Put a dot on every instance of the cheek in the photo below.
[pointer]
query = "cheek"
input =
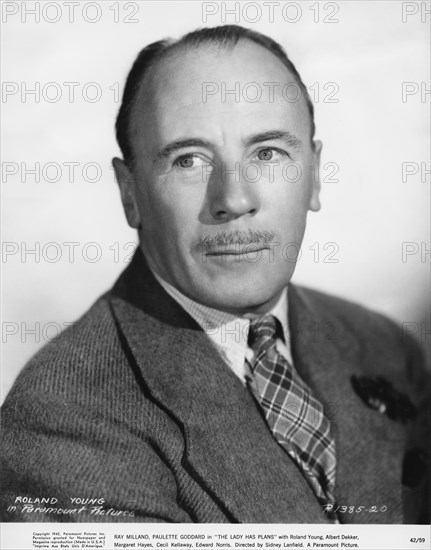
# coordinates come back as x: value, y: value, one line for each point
x: 291, y: 190
x: 172, y: 212
x: 286, y: 204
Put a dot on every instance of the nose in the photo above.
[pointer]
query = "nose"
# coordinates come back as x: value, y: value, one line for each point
x: 232, y: 196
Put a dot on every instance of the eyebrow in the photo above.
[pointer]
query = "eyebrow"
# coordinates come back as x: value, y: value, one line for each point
x: 270, y: 135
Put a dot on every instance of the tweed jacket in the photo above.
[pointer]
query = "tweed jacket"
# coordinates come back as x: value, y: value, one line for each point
x: 134, y: 407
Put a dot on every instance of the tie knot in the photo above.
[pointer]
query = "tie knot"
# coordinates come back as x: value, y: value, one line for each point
x: 262, y: 332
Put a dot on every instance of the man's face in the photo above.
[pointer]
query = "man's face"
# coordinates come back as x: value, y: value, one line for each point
x: 223, y: 181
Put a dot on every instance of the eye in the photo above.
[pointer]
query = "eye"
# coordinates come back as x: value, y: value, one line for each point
x: 271, y: 153
x: 191, y: 160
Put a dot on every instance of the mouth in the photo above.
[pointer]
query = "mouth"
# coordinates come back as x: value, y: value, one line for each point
x: 238, y: 250
x: 236, y: 245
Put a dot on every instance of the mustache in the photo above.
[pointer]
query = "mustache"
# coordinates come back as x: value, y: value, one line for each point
x: 236, y: 237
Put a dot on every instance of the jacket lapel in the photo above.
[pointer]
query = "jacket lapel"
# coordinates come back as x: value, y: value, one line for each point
x: 369, y: 445
x: 227, y: 442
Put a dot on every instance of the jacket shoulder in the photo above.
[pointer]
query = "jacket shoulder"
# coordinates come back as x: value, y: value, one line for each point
x: 78, y: 420
x: 354, y: 318
x: 82, y: 350
x: 382, y: 346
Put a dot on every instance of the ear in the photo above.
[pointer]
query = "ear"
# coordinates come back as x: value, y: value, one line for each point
x: 127, y: 184
x: 315, y: 176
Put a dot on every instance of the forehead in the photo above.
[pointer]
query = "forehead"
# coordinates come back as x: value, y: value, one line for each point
x: 212, y: 90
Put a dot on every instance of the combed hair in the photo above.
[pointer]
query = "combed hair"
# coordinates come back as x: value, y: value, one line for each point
x: 224, y: 36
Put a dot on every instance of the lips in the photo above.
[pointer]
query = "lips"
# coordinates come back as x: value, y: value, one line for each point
x: 235, y: 250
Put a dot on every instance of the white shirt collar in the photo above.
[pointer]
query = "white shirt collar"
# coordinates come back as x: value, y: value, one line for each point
x: 227, y: 331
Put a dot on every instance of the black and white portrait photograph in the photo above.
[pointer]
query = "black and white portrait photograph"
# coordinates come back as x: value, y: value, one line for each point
x: 216, y: 274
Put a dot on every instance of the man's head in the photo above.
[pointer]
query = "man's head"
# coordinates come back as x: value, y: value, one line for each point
x: 220, y: 165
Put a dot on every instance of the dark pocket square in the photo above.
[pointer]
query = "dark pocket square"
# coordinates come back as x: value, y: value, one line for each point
x: 379, y: 394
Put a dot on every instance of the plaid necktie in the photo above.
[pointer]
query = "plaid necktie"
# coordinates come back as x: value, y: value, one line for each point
x: 295, y: 417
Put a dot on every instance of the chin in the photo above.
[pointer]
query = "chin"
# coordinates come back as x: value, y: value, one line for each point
x: 239, y: 295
